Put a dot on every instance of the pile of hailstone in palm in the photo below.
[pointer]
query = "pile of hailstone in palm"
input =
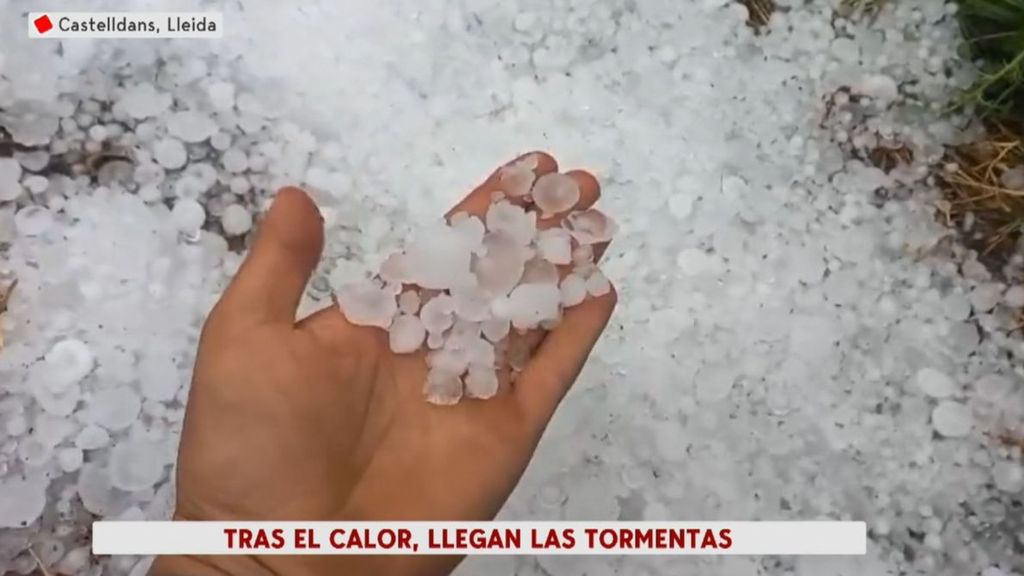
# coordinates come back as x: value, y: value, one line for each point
x: 796, y: 336
x: 477, y: 280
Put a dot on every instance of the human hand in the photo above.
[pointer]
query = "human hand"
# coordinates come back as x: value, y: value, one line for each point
x: 319, y: 420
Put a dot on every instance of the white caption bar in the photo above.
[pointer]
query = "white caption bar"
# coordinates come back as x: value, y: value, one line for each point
x: 497, y: 538
x: 125, y: 25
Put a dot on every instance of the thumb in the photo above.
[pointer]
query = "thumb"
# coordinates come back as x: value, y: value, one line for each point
x: 271, y: 280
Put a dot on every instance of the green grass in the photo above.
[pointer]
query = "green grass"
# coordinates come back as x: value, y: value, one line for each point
x: 994, y: 34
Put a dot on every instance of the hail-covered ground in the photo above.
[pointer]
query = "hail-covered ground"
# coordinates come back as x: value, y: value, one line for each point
x: 797, y: 337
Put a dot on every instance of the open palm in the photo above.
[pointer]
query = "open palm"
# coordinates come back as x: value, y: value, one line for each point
x: 319, y: 420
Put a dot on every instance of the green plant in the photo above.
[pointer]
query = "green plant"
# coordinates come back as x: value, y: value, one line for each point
x: 994, y: 34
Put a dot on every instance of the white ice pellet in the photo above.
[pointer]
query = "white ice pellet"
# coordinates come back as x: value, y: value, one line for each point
x: 234, y: 160
x: 470, y: 304
x: 516, y: 180
x: 879, y: 87
x: 170, y: 153
x: 495, y: 329
x: 21, y: 501
x: 501, y: 267
x: 221, y: 94
x: 598, y: 284
x: 935, y: 383
x: 986, y: 296
x: 36, y: 184
x: 1014, y: 296
x: 114, y: 408
x: 530, y: 304
x: 1008, y: 476
x: 555, y: 245
x: 67, y: 363
x: 367, y: 304
x: 236, y: 220
x: 442, y: 388
x: 191, y: 126
x: 239, y: 185
x: 143, y: 100
x: 952, y: 419
x: 136, y: 464
x: 33, y: 220
x: 481, y: 382
x: 69, y: 459
x: 16, y: 425
x: 512, y: 220
x: 188, y: 215
x: 539, y: 271
x: 554, y: 193
x: 409, y: 302
x: 590, y: 226
x: 438, y: 259
x: 158, y: 377
x: 438, y: 313
x: 10, y: 179
x: 92, y: 437
x: 406, y: 334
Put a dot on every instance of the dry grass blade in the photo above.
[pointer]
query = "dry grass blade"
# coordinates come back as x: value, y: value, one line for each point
x: 760, y: 12
x: 39, y: 562
x: 974, y: 190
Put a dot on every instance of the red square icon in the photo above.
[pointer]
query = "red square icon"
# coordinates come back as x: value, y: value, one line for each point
x: 43, y: 24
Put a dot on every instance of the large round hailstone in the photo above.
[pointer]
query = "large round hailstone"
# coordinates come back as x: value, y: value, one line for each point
x: 33, y: 220
x: 21, y: 501
x: 236, y: 220
x: 191, y: 126
x: 234, y: 160
x: 188, y: 215
x: 499, y: 270
x: 67, y: 363
x: 406, y: 334
x: 136, y: 464
x: 1008, y: 476
x: 143, y: 101
x: 158, y: 377
x: 993, y: 387
x: 590, y: 226
x: 170, y: 153
x: 530, y: 304
x: 438, y: 313
x: 367, y: 304
x: 114, y: 408
x: 95, y: 490
x: 935, y: 383
x: 439, y: 259
x: 409, y: 302
x: 92, y: 437
x: 539, y: 271
x: 512, y: 220
x: 471, y: 230
x: 221, y: 95
x: 481, y: 382
x: 442, y: 388
x: 598, y: 284
x: 952, y: 419
x: 517, y: 180
x: 879, y: 87
x: 471, y: 304
x: 555, y: 245
x: 10, y: 176
x: 554, y: 193
x: 573, y: 290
